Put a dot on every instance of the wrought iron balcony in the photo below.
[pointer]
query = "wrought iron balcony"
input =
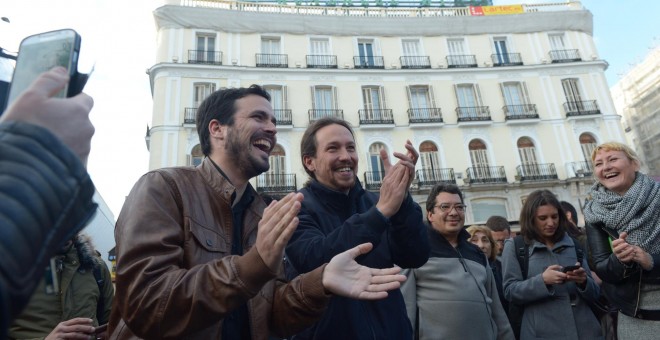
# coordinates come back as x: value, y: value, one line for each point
x: 270, y: 182
x: 581, y: 108
x: 368, y: 62
x: 473, y: 114
x: 524, y: 111
x: 373, y: 180
x: 536, y: 172
x: 564, y: 56
x: 506, y: 59
x: 486, y: 174
x: 204, y: 57
x: 415, y: 62
x: 190, y: 115
x: 425, y: 115
x: 283, y: 116
x: 431, y: 177
x: 582, y: 169
x: 321, y: 61
x: 376, y: 116
x: 272, y: 60
x: 316, y: 114
x: 458, y: 60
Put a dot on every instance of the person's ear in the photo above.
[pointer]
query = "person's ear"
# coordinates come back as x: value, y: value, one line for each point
x: 309, y: 163
x: 216, y: 130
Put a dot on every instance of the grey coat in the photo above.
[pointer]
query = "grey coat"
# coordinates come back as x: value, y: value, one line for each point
x: 551, y: 311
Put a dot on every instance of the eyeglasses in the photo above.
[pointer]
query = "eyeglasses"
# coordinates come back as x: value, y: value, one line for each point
x: 445, y: 208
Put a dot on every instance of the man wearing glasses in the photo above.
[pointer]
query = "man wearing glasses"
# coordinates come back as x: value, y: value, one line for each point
x: 453, y: 296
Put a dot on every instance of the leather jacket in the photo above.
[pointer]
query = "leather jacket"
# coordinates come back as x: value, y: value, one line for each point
x: 176, y: 277
x: 621, y: 282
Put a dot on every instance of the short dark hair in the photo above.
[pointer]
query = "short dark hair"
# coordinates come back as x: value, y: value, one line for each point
x: 528, y: 213
x: 439, y: 188
x: 308, y: 143
x: 571, y: 209
x: 220, y: 105
x: 498, y: 223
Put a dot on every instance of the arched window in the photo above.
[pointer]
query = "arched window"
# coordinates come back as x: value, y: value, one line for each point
x: 196, y: 156
x: 479, y: 159
x: 430, y: 162
x: 588, y: 144
x: 375, y: 163
x: 528, y: 159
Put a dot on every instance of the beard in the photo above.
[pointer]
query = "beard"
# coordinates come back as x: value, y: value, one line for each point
x: 246, y: 162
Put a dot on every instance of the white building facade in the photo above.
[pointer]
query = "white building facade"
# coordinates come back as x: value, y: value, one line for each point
x: 501, y: 105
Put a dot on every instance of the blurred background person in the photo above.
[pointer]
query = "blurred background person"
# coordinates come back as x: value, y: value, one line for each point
x: 501, y: 230
x: 625, y: 209
x: 482, y: 237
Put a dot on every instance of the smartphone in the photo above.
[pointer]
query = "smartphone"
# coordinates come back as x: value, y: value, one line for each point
x: 569, y: 268
x: 39, y: 53
x: 100, y: 329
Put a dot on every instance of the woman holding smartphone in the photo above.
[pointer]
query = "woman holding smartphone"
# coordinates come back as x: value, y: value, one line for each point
x: 556, y: 303
x: 623, y: 231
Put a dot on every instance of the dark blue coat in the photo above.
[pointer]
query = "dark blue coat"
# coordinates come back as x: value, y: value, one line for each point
x: 332, y: 222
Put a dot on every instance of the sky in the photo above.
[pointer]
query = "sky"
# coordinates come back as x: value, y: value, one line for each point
x: 119, y: 38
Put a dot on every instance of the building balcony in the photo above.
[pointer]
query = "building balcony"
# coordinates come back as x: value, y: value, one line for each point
x: 190, y: 115
x: 321, y: 61
x: 506, y: 59
x: 376, y: 116
x: 457, y: 61
x: 473, y: 114
x: 425, y: 115
x: 373, y: 180
x: 283, y: 116
x: 271, y: 182
x: 204, y: 57
x: 316, y: 114
x: 536, y: 172
x: 524, y: 111
x: 374, y: 62
x: 564, y: 56
x: 485, y: 175
x: 431, y: 177
x: 272, y: 60
x: 581, y: 169
x: 408, y: 62
x: 581, y: 108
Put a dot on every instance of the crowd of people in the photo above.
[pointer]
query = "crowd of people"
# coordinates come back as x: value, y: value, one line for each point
x: 202, y: 255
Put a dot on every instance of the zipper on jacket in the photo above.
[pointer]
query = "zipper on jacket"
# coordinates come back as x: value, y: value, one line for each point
x: 639, y: 292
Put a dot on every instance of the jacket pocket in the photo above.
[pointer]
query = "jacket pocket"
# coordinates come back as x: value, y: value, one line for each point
x: 206, y: 243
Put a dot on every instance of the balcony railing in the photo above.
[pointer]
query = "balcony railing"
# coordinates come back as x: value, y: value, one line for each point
x: 431, y: 177
x: 373, y: 180
x: 204, y: 57
x: 376, y: 116
x: 457, y: 60
x: 316, y: 114
x: 272, y: 60
x: 425, y: 115
x: 321, y: 61
x: 190, y: 115
x: 524, y: 111
x: 276, y: 182
x: 536, y: 172
x: 415, y: 62
x: 506, y: 59
x: 582, y: 169
x: 283, y: 116
x: 581, y: 108
x: 486, y: 174
x: 473, y: 114
x: 368, y: 62
x: 564, y: 56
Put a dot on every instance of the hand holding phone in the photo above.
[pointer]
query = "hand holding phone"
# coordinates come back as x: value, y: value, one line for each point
x: 569, y: 269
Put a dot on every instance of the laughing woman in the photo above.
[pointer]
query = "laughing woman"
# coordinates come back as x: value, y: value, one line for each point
x: 554, y: 297
x: 625, y: 209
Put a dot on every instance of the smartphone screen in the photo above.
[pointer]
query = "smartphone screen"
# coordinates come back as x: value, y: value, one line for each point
x: 41, y: 52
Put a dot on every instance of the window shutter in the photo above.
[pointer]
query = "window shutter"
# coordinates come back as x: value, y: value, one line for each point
x: 477, y: 94
x: 285, y: 98
x: 432, y: 96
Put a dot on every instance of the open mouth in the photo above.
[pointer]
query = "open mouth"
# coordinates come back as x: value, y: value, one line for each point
x: 345, y: 170
x: 263, y: 145
x: 611, y: 175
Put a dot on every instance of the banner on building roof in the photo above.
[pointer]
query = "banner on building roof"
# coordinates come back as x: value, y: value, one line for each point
x: 495, y: 10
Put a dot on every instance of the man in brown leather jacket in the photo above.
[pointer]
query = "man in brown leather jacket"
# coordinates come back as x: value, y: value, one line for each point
x: 199, y: 253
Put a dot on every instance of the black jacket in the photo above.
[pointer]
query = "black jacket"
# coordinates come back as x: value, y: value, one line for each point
x: 46, y: 196
x: 621, y: 282
x: 332, y: 222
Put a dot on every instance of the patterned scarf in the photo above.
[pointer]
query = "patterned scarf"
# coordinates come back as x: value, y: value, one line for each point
x: 637, y: 212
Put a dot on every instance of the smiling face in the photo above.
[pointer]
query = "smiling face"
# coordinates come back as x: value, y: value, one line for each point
x: 249, y: 141
x: 614, y: 170
x: 335, y: 164
x: 546, y: 222
x: 480, y: 239
x: 448, y: 223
